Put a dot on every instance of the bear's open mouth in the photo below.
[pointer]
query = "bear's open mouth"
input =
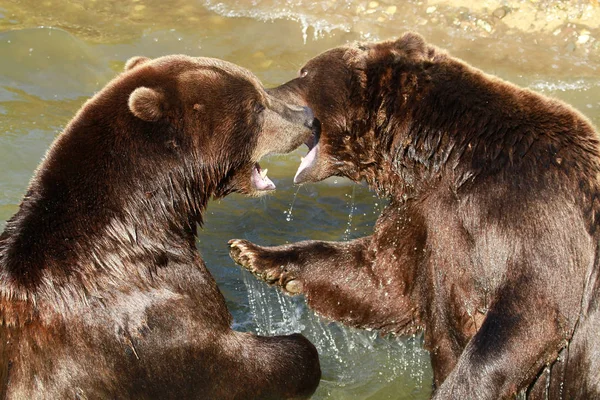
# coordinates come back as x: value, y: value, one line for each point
x: 260, y: 180
x: 313, y: 149
x: 313, y: 139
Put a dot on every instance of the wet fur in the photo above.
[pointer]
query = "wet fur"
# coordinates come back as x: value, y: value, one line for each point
x: 489, y: 244
x: 102, y: 291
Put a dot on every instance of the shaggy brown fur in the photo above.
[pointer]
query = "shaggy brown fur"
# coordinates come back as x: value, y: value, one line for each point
x: 489, y: 244
x: 102, y: 291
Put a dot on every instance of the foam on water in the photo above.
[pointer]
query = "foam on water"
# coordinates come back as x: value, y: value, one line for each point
x: 563, y: 86
x: 309, y: 17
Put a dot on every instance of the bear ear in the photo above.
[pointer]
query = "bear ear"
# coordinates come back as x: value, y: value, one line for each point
x: 412, y: 45
x: 135, y: 62
x: 146, y: 104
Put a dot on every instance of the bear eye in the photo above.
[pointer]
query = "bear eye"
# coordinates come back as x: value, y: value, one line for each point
x: 303, y: 72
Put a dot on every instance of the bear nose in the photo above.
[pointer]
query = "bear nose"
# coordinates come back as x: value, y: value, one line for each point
x: 309, y: 117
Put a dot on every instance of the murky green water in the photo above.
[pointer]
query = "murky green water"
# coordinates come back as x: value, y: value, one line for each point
x: 55, y: 54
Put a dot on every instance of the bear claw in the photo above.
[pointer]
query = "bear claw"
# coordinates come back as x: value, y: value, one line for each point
x: 242, y: 254
x: 247, y: 255
x: 294, y: 286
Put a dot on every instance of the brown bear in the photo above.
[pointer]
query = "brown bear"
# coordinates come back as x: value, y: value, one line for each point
x: 103, y: 293
x: 489, y: 244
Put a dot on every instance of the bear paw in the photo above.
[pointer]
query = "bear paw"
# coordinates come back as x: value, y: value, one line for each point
x: 261, y: 262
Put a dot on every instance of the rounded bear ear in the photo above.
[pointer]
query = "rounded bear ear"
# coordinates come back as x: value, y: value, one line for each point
x: 146, y: 104
x: 412, y: 45
x: 135, y: 62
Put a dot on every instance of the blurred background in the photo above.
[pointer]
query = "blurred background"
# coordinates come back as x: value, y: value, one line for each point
x: 55, y: 54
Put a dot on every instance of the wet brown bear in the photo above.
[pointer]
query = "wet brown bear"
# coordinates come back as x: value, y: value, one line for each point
x: 489, y: 244
x: 103, y: 293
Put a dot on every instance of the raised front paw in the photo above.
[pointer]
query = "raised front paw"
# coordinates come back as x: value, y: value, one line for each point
x: 264, y: 263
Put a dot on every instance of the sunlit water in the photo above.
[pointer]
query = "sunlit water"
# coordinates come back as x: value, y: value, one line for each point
x: 55, y: 54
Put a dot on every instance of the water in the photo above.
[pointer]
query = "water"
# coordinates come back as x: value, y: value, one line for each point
x: 55, y: 54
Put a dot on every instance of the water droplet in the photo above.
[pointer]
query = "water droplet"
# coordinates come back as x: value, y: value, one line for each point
x: 350, y: 214
x: 288, y: 213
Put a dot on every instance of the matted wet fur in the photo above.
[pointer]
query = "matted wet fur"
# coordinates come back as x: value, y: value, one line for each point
x: 489, y: 244
x: 103, y: 293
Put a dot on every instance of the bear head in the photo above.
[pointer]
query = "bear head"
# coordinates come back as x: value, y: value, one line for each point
x: 216, y: 115
x: 347, y: 88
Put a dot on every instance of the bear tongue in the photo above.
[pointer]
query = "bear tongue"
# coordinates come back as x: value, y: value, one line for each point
x: 260, y: 180
x: 307, y: 164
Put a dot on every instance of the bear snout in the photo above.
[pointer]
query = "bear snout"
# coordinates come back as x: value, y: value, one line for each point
x: 309, y: 117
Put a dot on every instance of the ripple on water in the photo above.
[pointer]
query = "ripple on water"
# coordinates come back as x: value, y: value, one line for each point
x: 41, y: 57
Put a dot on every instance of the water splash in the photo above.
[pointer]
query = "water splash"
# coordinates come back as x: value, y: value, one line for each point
x: 354, y: 362
x: 273, y: 313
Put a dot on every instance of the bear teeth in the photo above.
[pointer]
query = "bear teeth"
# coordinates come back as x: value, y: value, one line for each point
x: 263, y: 173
